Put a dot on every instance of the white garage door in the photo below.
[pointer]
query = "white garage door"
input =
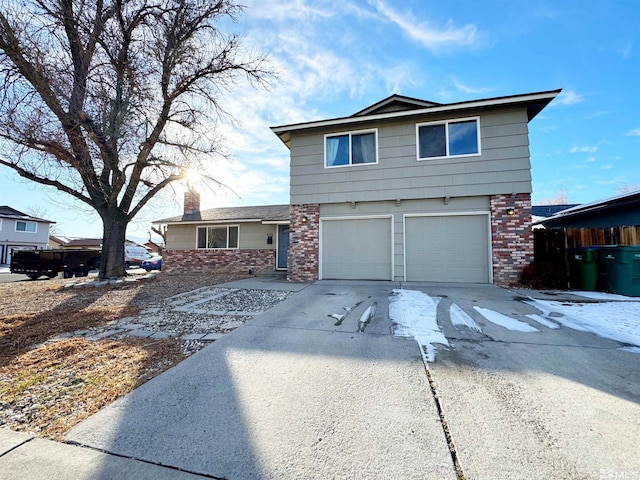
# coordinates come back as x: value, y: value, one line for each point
x: 447, y: 248
x: 356, y: 249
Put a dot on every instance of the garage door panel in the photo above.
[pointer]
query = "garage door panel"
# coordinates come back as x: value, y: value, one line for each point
x: 356, y: 249
x: 447, y: 248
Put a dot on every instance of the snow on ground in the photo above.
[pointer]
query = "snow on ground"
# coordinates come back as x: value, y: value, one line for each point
x: 459, y: 318
x: 542, y: 321
x: 619, y: 321
x: 414, y: 315
x: 505, y: 321
x: 612, y: 297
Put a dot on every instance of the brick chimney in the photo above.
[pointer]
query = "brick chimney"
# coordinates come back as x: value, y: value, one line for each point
x: 191, y: 202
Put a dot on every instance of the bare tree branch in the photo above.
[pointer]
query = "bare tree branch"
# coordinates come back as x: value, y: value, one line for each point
x: 110, y: 101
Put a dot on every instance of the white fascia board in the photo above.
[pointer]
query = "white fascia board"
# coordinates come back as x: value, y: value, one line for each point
x: 492, y: 102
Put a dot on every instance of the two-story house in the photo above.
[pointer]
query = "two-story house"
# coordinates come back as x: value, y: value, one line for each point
x: 404, y: 190
x: 412, y: 190
x: 19, y: 230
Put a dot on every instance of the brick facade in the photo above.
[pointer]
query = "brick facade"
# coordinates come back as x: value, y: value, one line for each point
x: 511, y: 237
x: 191, y: 202
x: 303, y: 259
x: 218, y: 261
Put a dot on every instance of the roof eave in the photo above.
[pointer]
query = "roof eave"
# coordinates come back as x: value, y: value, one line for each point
x: 535, y: 103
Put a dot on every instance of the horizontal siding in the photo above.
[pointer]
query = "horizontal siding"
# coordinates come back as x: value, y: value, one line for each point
x: 181, y: 237
x: 254, y: 235
x: 251, y: 236
x: 502, y: 167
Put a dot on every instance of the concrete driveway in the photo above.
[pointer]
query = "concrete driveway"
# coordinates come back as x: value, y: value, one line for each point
x: 289, y: 395
x: 293, y: 395
x: 549, y: 404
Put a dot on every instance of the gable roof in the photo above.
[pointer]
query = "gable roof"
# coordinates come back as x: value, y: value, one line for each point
x: 8, y: 212
x: 264, y: 213
x: 395, y: 103
x: 397, y: 106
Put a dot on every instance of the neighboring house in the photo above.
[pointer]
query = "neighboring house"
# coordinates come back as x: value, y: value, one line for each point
x: 540, y: 212
x: 412, y: 190
x: 19, y: 231
x: 56, y: 242
x: 88, y: 243
x: 153, y: 248
x: 234, y: 239
x: 612, y: 221
x: 70, y: 243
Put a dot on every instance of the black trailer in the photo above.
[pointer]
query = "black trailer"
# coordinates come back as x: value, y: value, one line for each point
x: 36, y: 263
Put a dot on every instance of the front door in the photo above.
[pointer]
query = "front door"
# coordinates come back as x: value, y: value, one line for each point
x: 283, y: 247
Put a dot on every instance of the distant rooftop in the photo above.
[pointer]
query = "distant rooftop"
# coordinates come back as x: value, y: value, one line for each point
x: 549, y: 210
x: 8, y: 212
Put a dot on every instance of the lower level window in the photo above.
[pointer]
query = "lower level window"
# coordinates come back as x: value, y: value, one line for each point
x: 217, y: 237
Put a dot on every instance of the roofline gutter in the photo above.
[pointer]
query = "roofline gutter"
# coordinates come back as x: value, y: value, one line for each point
x: 490, y: 102
x: 221, y: 222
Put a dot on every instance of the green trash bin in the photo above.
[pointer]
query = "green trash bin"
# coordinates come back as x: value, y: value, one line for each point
x: 583, y: 268
x: 622, y: 269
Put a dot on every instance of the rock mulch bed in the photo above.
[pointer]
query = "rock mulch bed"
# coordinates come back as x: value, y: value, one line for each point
x: 196, y: 318
x: 68, y: 351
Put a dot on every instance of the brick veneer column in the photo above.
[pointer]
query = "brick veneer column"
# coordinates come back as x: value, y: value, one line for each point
x: 511, y: 237
x: 302, y: 261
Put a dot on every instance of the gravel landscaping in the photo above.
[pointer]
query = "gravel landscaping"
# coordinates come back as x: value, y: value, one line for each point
x: 68, y: 351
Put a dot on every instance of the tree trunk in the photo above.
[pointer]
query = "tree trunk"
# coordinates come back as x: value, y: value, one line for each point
x: 113, y: 239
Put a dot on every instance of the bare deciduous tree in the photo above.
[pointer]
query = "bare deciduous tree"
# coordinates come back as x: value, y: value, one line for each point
x: 561, y: 198
x: 110, y: 101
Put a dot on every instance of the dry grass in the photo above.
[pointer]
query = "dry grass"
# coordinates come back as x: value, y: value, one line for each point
x: 48, y: 387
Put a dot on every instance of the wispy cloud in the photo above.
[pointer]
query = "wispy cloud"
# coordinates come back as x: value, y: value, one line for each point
x: 626, y: 51
x: 468, y: 89
x: 633, y: 133
x: 585, y: 149
x: 433, y: 38
x: 568, y: 97
x: 286, y: 10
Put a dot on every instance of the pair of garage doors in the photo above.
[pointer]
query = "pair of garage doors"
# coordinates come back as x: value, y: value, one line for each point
x: 436, y: 248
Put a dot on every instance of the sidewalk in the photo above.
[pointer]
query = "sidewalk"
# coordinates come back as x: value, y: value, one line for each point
x: 25, y: 457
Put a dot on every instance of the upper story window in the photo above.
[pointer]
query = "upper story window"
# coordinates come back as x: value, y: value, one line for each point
x: 22, y: 226
x: 218, y: 237
x: 352, y: 148
x: 448, y: 139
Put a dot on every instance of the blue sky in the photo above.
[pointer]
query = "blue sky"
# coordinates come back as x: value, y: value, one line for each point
x: 335, y: 58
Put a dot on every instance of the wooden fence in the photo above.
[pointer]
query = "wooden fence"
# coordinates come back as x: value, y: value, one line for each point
x: 551, y: 263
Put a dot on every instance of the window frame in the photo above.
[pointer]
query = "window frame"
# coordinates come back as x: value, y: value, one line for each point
x: 446, y: 124
x: 350, y: 133
x: 227, y: 227
x: 26, y: 222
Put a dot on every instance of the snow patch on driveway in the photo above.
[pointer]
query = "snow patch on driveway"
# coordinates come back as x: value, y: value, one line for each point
x: 543, y: 321
x: 619, y: 321
x: 414, y: 315
x: 459, y: 318
x: 505, y: 321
